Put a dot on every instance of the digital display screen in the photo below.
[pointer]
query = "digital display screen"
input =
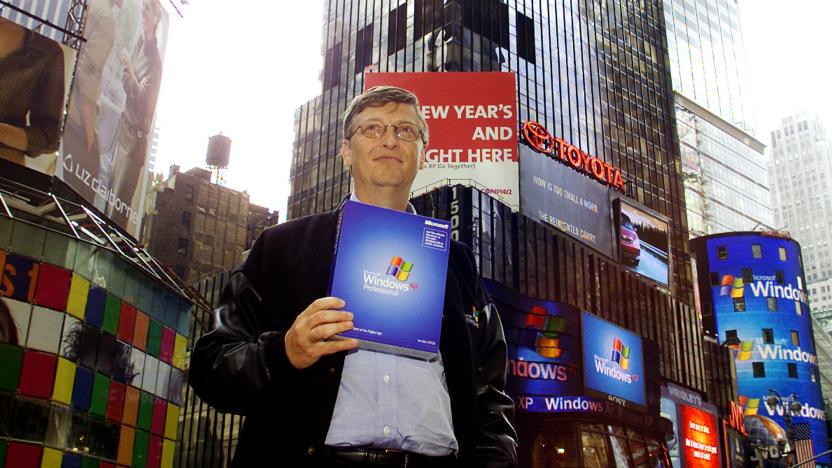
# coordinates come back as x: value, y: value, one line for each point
x: 643, y: 242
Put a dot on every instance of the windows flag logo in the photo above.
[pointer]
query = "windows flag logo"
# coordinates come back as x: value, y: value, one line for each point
x: 547, y: 343
x: 752, y: 405
x: 399, y: 268
x: 620, y: 354
x: 746, y: 348
x: 734, y: 286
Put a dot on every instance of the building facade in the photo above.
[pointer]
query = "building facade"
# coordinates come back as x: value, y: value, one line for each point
x: 752, y: 289
x: 724, y: 167
x: 199, y: 228
x: 801, y: 175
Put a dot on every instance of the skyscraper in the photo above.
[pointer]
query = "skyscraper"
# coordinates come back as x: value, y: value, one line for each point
x: 723, y: 164
x: 801, y: 175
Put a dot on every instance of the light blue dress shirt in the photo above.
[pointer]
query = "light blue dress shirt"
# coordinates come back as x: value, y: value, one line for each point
x: 395, y: 402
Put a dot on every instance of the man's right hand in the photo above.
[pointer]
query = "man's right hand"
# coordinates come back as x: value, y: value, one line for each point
x: 309, y: 337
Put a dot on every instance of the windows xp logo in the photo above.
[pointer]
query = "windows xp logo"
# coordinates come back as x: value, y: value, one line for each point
x: 620, y: 354
x: 399, y: 268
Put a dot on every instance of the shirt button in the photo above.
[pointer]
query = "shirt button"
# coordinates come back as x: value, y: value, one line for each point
x: 386, y: 378
x: 310, y: 451
x: 386, y: 430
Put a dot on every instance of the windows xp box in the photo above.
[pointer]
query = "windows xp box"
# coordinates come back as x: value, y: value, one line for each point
x: 390, y: 268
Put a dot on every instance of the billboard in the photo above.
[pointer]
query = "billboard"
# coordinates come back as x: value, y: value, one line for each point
x: 613, y: 363
x: 643, y: 241
x: 472, y: 120
x: 555, y: 194
x: 112, y: 106
x: 761, y: 310
x: 35, y: 73
x: 698, y: 437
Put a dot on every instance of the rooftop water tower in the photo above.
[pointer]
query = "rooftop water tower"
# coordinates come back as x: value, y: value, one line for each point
x: 219, y: 152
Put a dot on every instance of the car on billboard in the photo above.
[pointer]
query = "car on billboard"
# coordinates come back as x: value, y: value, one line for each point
x: 630, y: 245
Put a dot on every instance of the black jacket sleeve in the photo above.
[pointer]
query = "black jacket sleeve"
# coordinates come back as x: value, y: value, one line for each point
x: 234, y: 363
x: 496, y: 442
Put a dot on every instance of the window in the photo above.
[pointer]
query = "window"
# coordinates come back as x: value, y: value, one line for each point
x: 722, y: 252
x: 792, y: 370
x: 332, y: 66
x: 731, y: 336
x: 363, y: 48
x: 772, y: 304
x: 397, y: 29
x: 739, y: 304
x: 798, y: 310
x: 759, y: 369
x: 795, y: 338
x: 189, y: 192
x: 747, y: 276
x: 525, y: 37
x: 488, y: 18
x: 756, y: 251
x: 715, y: 278
x: 183, y: 246
x: 427, y: 16
x: 768, y: 336
x: 186, y: 219
x: 782, y: 251
x: 779, y: 276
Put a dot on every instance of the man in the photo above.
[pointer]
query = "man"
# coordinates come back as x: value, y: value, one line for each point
x: 311, y: 399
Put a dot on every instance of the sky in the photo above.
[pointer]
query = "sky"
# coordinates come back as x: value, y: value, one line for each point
x: 243, y: 70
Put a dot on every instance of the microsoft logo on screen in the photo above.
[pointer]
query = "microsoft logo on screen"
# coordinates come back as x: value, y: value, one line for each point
x: 734, y: 286
x: 620, y: 354
x: 399, y: 268
x: 547, y: 342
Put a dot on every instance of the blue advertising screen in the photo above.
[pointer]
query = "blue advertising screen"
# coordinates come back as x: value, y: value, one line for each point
x: 761, y: 311
x: 544, y: 348
x: 613, y: 362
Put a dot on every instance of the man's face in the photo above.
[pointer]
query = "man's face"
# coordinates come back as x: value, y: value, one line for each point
x: 385, y: 161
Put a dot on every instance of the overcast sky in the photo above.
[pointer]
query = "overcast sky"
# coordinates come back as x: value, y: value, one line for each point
x: 243, y: 67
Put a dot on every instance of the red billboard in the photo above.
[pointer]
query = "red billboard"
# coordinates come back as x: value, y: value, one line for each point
x: 472, y: 121
x: 698, y: 437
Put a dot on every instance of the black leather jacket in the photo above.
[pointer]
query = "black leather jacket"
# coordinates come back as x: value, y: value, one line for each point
x: 241, y: 365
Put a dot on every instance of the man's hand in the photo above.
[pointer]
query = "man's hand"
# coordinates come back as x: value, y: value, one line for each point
x: 309, y: 337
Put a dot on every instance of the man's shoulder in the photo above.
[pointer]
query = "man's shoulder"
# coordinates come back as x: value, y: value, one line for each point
x: 308, y: 228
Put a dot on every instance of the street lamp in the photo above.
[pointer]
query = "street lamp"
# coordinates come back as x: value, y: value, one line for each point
x: 789, y: 405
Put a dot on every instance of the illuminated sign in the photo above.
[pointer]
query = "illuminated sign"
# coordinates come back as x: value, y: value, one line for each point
x: 698, y: 437
x: 613, y: 362
x: 541, y: 141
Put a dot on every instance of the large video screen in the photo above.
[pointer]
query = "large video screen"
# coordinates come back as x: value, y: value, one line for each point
x: 643, y: 242
x: 113, y: 105
x: 555, y: 194
x: 472, y: 120
x: 761, y: 311
x: 35, y: 73
x: 613, y: 363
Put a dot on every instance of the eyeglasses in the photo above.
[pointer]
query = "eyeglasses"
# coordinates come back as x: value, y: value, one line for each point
x: 405, y: 131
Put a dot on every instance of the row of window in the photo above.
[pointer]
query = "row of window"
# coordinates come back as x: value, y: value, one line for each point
x: 748, y: 276
x: 739, y: 305
x: 760, y: 369
x: 756, y: 252
x: 768, y: 336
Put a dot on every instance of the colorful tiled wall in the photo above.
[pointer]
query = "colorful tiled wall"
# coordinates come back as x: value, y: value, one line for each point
x: 92, y: 355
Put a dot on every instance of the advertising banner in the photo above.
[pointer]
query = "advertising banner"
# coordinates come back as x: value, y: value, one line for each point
x: 112, y: 106
x: 698, y: 437
x: 35, y: 73
x: 613, y: 363
x: 472, y: 120
x: 643, y: 242
x: 557, y: 195
x: 760, y: 304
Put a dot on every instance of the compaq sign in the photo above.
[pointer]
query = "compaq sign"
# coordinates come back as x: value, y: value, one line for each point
x: 541, y: 141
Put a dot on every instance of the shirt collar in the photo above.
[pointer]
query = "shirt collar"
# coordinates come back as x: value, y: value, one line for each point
x: 410, y: 208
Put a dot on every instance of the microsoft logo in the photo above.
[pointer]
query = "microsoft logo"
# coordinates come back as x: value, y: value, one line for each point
x: 620, y: 354
x: 546, y: 343
x: 399, y: 268
x: 734, y: 286
x: 751, y: 405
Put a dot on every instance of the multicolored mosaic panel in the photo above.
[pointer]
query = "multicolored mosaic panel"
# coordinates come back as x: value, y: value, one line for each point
x: 93, y: 356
